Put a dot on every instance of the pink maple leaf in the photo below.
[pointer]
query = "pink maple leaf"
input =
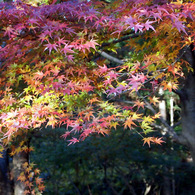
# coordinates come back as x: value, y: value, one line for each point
x: 92, y: 43
x: 73, y: 141
x: 65, y: 135
x: 85, y: 133
x: 103, y: 69
x: 138, y: 27
x: 121, y: 88
x: 148, y: 26
x: 67, y: 49
x: 33, y: 21
x: 9, y: 31
x: 112, y: 75
x: 50, y: 47
x: 61, y: 41
x: 111, y: 91
x: 180, y: 26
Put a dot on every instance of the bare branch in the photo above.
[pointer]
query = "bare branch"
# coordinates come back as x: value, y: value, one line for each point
x: 109, y: 57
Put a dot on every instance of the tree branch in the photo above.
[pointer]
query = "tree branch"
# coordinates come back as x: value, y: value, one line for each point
x: 109, y: 57
x: 171, y: 131
x: 133, y: 35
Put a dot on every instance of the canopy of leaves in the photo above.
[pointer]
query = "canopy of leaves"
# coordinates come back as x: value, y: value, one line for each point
x: 49, y: 75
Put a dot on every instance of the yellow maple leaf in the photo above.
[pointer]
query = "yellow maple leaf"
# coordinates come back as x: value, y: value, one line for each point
x: 154, y: 100
x: 136, y: 116
x: 157, y: 115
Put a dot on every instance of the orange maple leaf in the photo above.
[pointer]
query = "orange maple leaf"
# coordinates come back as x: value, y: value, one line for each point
x: 157, y: 115
x: 169, y: 85
x: 38, y: 180
x: 139, y: 104
x: 22, y: 177
x: 26, y: 192
x: 147, y: 140
x: 129, y: 122
x: 88, y: 115
x: 155, y: 140
x: 41, y: 188
x: 158, y: 140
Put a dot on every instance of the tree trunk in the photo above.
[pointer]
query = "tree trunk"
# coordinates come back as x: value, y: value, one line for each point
x: 188, y: 113
x: 18, y: 161
x: 187, y: 97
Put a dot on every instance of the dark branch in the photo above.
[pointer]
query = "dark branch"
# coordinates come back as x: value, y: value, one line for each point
x: 120, y: 40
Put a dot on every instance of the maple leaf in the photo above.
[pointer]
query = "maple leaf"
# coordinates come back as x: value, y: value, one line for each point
x: 33, y: 21
x: 95, y: 99
x: 134, y: 85
x: 39, y: 75
x: 43, y: 38
x: 41, y: 187
x: 103, y: 69
x: 51, y: 46
x: 90, y: 44
x: 147, y: 140
x: 138, y: 27
x: 113, y: 124
x: 158, y: 140
x: 122, y: 87
x: 38, y: 180
x: 103, y: 131
x: 61, y: 41
x: 73, y: 141
x: 22, y: 177
x: 157, y: 115
x: 148, y: 26
x: 112, y: 91
x: 27, y: 192
x: 67, y: 49
x: 112, y: 75
x: 172, y: 69
x: 180, y: 26
x: 88, y: 115
x: 86, y: 133
x: 169, y: 85
x: 136, y: 116
x: 154, y: 100
x: 139, y: 104
x: 37, y: 171
x: 129, y: 122
x: 9, y: 31
x: 65, y: 135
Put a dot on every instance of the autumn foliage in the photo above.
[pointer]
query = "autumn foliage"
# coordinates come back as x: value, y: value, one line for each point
x: 52, y: 73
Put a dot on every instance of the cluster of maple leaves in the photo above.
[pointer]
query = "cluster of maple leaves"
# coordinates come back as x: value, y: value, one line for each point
x: 51, y: 75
